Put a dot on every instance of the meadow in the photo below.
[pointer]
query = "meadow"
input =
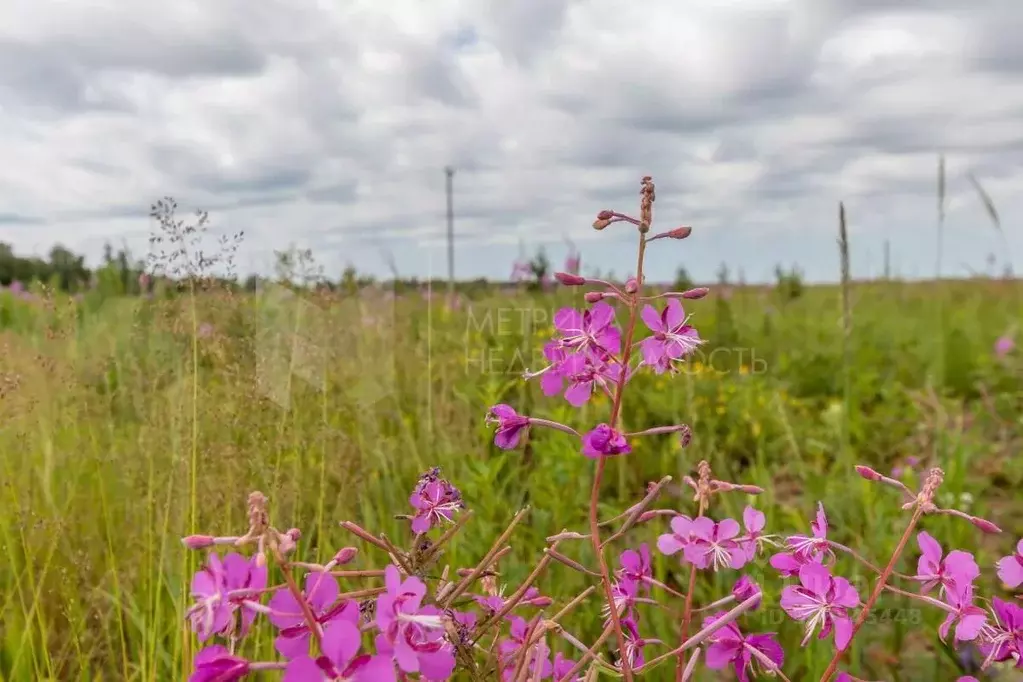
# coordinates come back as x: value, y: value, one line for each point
x: 128, y: 422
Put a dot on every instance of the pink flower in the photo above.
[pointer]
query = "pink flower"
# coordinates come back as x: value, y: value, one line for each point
x: 321, y: 594
x: 412, y: 634
x: 510, y: 426
x: 508, y: 651
x: 933, y: 571
x: 803, y: 550
x: 590, y: 330
x: 969, y: 619
x: 636, y: 565
x: 211, y: 612
x: 435, y: 501
x: 341, y: 643
x: 821, y: 600
x: 754, y: 540
x: 1010, y: 568
x: 745, y: 588
x: 713, y: 545
x: 672, y: 338
x: 624, y: 593
x: 1004, y: 346
x: 1004, y: 638
x: 217, y: 664
x: 681, y: 535
x: 584, y: 373
x: 603, y: 441
x: 634, y: 643
x: 563, y: 666
x: 746, y: 654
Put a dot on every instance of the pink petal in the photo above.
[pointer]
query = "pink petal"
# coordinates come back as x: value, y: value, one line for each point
x: 754, y: 520
x: 728, y: 529
x: 651, y: 318
x: 970, y: 625
x: 341, y: 641
x: 843, y: 631
x: 929, y: 547
x: 669, y: 544
x: 1010, y: 571
x: 673, y: 314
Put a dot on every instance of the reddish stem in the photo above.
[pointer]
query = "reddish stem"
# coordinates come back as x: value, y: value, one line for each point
x: 687, y: 615
x: 616, y: 408
x: 879, y: 587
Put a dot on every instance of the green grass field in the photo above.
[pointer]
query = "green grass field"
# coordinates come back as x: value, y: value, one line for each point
x: 123, y: 428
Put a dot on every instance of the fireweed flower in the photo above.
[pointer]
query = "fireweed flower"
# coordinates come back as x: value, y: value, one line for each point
x: 636, y: 566
x: 803, y: 550
x: 1010, y: 568
x: 968, y: 619
x: 755, y: 539
x: 624, y: 592
x: 435, y: 502
x: 412, y: 633
x: 672, y: 338
x: 821, y: 600
x: 680, y: 536
x: 494, y: 603
x: 321, y: 594
x: 585, y: 373
x: 508, y: 651
x: 563, y: 666
x: 211, y: 614
x: 510, y: 426
x: 245, y: 579
x: 746, y: 654
x: 552, y: 379
x: 1004, y: 635
x: 590, y: 330
x: 1004, y: 346
x: 933, y: 571
x: 216, y: 664
x: 634, y: 643
x: 341, y: 643
x: 745, y: 588
x: 713, y: 545
x: 604, y: 441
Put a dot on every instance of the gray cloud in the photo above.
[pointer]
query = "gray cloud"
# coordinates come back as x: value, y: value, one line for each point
x: 329, y: 125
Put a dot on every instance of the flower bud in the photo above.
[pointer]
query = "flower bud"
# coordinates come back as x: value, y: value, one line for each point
x: 345, y: 555
x: 593, y: 296
x: 680, y: 232
x: 295, y: 534
x: 868, y: 473
x: 631, y: 285
x: 693, y: 294
x: 600, y: 224
x: 605, y: 215
x: 198, y: 541
x: 984, y: 525
x: 568, y: 279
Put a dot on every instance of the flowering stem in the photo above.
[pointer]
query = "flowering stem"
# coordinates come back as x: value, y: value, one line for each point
x: 688, y: 613
x: 616, y: 408
x: 879, y: 587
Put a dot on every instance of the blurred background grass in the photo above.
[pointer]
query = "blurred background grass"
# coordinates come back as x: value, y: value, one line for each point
x: 127, y: 422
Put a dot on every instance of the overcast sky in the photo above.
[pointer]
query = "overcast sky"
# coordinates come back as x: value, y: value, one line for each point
x: 327, y: 123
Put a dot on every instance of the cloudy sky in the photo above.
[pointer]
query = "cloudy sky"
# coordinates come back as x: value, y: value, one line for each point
x: 327, y: 124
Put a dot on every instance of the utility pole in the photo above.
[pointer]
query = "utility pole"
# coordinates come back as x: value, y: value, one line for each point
x: 449, y: 172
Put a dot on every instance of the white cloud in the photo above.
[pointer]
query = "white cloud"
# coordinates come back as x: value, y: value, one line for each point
x: 329, y: 125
